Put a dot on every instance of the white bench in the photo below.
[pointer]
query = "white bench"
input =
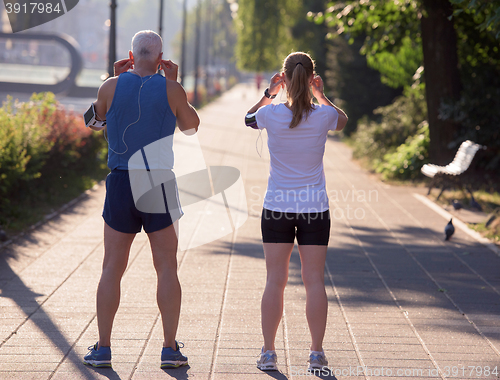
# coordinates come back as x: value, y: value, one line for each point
x: 453, y: 170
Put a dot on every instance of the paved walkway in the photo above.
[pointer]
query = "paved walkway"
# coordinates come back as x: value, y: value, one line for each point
x: 402, y: 302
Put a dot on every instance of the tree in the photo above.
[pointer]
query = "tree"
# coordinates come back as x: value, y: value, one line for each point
x: 442, y: 78
x: 398, y: 34
x: 263, y: 33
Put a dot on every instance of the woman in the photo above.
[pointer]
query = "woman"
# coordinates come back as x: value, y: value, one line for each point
x: 296, y: 204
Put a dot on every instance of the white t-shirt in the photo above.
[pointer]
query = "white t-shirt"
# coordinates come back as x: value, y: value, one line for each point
x: 296, y: 179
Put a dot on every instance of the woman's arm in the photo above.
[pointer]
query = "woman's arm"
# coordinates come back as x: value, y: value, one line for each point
x: 317, y: 89
x: 277, y: 81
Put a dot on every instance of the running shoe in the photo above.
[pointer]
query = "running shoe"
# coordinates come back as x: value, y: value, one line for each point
x: 267, y: 361
x: 173, y: 358
x: 98, y: 357
x: 317, y: 360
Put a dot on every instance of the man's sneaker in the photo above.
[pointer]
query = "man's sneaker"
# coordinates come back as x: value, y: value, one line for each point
x: 317, y: 360
x: 267, y: 361
x: 98, y: 357
x: 171, y: 358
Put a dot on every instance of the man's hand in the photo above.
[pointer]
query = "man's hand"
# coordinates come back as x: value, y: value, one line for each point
x: 170, y: 69
x: 122, y: 66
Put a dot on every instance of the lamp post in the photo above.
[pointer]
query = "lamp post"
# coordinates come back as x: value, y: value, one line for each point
x: 160, y: 28
x: 112, y: 38
x: 197, y: 55
x: 183, y: 41
x: 208, y: 47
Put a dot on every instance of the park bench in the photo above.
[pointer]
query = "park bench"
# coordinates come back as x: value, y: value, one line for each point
x: 452, y: 174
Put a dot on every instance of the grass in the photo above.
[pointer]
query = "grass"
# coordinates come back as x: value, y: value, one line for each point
x: 62, y: 190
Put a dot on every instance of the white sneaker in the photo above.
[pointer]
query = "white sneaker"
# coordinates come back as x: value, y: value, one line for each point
x: 317, y: 360
x: 267, y: 361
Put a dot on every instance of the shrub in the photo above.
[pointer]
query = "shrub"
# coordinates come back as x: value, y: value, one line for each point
x: 41, y: 141
x: 24, y: 143
x: 406, y: 161
x: 397, y: 122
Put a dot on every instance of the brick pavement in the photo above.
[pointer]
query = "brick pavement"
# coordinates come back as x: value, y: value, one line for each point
x: 402, y: 302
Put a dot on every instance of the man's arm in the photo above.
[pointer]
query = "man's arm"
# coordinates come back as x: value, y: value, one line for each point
x: 187, y: 117
x: 104, y: 99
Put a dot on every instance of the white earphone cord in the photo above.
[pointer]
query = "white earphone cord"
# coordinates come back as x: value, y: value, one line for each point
x: 135, y: 122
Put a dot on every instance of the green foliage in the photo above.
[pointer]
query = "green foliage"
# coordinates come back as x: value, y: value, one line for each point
x: 398, y: 68
x: 406, y: 161
x: 40, y: 143
x: 263, y: 29
x: 397, y: 122
x: 487, y: 12
x: 391, y: 30
x: 24, y: 142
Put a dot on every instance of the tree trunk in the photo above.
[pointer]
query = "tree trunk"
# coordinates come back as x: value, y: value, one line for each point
x: 442, y: 78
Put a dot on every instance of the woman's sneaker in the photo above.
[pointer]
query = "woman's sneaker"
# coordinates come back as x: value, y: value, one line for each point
x: 98, y: 357
x: 317, y: 360
x: 267, y: 361
x: 173, y: 358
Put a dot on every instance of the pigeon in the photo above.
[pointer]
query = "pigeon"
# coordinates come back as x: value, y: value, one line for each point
x: 474, y: 204
x: 456, y: 205
x: 3, y: 235
x: 449, y: 230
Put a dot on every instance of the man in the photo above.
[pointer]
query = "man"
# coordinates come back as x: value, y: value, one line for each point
x: 140, y: 107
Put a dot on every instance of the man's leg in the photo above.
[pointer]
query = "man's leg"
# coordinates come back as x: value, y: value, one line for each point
x: 116, y: 252
x: 168, y: 295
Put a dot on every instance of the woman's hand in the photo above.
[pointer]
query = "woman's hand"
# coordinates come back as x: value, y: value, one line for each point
x: 122, y: 66
x: 317, y: 87
x: 170, y: 69
x: 277, y: 82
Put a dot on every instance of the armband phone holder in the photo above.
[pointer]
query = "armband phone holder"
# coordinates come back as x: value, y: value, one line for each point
x: 90, y: 118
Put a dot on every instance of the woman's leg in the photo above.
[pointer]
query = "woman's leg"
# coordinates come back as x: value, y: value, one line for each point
x: 277, y: 259
x: 116, y: 252
x: 313, y: 258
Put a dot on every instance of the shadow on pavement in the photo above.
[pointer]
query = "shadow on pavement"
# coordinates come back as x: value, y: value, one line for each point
x: 180, y: 373
x: 427, y: 277
x: 11, y: 286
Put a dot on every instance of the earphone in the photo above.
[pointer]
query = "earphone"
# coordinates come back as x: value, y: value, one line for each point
x: 143, y: 82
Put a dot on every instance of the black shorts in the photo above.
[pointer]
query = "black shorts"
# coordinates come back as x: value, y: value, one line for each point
x: 282, y: 227
x: 120, y: 211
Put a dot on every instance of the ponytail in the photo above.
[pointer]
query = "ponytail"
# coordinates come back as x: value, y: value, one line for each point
x: 299, y: 68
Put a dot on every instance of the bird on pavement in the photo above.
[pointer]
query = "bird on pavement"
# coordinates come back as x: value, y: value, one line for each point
x: 474, y: 204
x: 456, y: 205
x: 449, y: 230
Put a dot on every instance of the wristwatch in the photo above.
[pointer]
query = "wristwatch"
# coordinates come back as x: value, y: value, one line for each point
x: 268, y: 95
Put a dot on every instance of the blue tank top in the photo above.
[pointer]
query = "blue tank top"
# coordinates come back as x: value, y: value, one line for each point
x: 156, y: 120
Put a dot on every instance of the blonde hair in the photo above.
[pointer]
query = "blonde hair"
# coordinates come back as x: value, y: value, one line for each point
x: 298, y: 68
x: 146, y: 45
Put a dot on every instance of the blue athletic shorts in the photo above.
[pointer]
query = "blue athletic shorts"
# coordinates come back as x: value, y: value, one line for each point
x: 120, y: 211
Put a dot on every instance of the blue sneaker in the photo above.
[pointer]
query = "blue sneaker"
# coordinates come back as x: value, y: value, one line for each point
x: 171, y: 358
x: 98, y: 357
